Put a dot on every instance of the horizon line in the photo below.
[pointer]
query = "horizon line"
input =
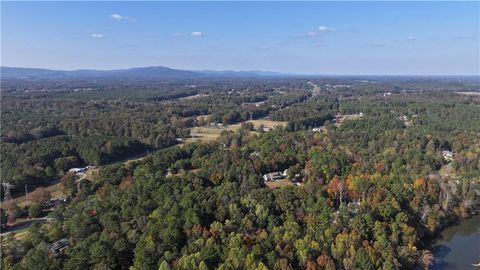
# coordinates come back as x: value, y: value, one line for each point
x: 279, y: 73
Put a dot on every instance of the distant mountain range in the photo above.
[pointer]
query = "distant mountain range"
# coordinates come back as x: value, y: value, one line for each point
x: 156, y: 72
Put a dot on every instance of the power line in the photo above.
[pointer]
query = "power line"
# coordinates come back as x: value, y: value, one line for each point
x: 7, y: 187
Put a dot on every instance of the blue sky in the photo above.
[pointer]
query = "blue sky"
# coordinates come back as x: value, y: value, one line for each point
x: 398, y: 38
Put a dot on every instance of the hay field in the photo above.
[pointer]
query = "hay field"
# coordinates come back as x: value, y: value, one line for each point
x: 212, y: 132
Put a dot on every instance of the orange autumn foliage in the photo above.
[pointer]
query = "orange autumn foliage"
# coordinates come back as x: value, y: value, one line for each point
x: 419, y: 183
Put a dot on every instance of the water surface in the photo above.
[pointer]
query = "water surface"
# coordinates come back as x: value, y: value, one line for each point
x: 458, y: 246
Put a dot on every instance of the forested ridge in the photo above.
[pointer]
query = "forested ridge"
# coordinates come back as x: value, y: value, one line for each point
x: 204, y: 205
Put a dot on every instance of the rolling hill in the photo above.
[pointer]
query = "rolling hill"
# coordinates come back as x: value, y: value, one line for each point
x: 153, y: 72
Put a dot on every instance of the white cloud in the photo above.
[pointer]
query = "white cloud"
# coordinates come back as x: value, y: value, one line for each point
x: 116, y: 16
x: 119, y: 17
x: 410, y: 38
x: 98, y: 35
x: 318, y: 33
x: 324, y: 28
x: 197, y: 34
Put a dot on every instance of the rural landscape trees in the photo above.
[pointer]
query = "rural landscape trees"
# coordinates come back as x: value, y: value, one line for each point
x: 366, y: 182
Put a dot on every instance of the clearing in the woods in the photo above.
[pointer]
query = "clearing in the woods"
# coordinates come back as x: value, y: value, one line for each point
x: 212, y: 132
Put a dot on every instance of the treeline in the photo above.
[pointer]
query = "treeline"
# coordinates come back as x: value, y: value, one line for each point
x: 237, y: 115
x: 308, y: 123
x: 325, y: 103
x: 174, y: 95
x: 372, y: 188
x: 204, y: 206
x: 30, y: 118
x: 34, y: 134
x: 442, y: 112
x: 41, y: 161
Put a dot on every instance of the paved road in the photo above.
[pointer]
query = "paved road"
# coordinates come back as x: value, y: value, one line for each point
x: 22, y: 225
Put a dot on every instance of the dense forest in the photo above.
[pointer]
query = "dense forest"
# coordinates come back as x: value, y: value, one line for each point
x: 372, y: 185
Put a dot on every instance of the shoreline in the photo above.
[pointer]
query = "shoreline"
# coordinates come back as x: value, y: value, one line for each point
x: 452, y: 242
x: 450, y: 222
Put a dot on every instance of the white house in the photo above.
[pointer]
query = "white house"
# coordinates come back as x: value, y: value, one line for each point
x: 77, y: 170
x: 273, y: 176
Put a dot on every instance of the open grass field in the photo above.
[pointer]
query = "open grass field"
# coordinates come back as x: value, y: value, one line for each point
x: 211, y: 133
x: 19, y: 235
x: 265, y: 122
x: 194, y: 97
x: 206, y: 133
x: 344, y: 117
x: 279, y: 184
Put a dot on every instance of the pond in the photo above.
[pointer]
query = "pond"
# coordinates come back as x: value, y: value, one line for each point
x: 458, y: 246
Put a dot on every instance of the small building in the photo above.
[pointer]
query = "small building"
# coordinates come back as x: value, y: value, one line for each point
x: 77, y: 170
x: 273, y: 176
x: 353, y: 207
x: 266, y: 129
x: 58, y: 247
x: 447, y: 155
x: 254, y: 154
x: 56, y: 201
